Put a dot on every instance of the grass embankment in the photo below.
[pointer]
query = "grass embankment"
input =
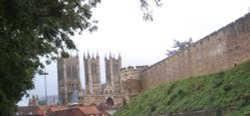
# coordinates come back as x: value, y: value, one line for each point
x: 226, y: 89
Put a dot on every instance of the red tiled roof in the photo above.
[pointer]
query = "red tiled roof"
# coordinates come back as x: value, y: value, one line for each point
x: 56, y: 108
x: 67, y: 112
x: 34, y: 110
x: 74, y: 111
x: 89, y: 110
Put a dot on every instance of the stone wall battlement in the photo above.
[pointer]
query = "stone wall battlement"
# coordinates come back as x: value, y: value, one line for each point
x: 218, y: 51
x: 132, y: 68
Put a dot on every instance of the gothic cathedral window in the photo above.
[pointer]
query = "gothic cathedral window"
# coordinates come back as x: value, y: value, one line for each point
x: 71, y: 72
x: 68, y: 72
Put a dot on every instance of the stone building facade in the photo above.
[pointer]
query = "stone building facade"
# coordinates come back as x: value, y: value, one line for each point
x: 111, y: 91
x: 68, y: 79
x: 92, y: 75
x: 112, y: 68
x: 33, y: 101
x: 131, y: 80
x: 121, y: 83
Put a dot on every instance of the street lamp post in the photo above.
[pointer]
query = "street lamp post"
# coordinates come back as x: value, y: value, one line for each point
x: 45, y: 87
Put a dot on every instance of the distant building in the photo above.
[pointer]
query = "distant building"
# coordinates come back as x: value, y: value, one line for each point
x: 113, y: 79
x: 97, y: 93
x: 68, y: 79
x: 113, y: 92
x: 30, y: 111
x: 77, y: 110
x: 71, y: 110
x: 33, y: 101
x: 92, y: 75
x: 51, y: 100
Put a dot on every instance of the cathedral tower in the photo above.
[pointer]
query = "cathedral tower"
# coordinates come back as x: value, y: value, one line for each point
x: 92, y: 74
x: 113, y: 66
x: 68, y: 79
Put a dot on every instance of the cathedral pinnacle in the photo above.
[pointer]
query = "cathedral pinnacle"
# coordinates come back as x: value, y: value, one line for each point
x: 105, y: 56
x: 88, y: 56
x: 97, y: 55
x: 110, y: 55
x: 119, y: 57
x: 84, y: 57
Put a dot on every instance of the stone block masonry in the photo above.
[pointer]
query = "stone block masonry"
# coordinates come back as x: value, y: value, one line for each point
x: 221, y: 50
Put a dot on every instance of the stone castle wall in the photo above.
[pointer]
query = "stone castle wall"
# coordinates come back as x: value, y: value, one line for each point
x: 223, y: 49
x: 131, y: 80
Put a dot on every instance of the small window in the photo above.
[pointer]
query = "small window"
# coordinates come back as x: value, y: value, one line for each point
x: 68, y: 72
x: 74, y: 72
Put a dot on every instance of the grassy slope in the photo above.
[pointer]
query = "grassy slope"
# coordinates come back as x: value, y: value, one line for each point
x: 221, y: 90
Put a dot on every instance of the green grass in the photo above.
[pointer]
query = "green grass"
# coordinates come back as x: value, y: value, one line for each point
x: 227, y: 89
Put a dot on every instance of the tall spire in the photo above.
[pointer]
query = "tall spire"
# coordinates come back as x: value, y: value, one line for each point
x: 119, y: 57
x: 97, y: 55
x: 110, y: 55
x: 84, y: 56
x: 88, y: 56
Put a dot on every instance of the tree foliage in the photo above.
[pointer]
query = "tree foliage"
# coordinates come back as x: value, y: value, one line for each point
x: 29, y: 30
x: 147, y: 10
x: 179, y: 46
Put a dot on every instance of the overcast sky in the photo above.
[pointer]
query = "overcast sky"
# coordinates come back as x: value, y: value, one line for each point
x: 121, y: 29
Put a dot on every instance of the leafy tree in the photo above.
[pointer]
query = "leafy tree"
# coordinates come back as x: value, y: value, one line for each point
x: 179, y: 46
x: 29, y: 30
x: 32, y: 29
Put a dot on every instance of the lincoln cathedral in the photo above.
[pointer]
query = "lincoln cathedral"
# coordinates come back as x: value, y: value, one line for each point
x: 121, y: 83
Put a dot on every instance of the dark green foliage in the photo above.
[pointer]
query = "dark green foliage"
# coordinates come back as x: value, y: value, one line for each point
x: 29, y: 30
x: 223, y: 90
x: 181, y: 92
